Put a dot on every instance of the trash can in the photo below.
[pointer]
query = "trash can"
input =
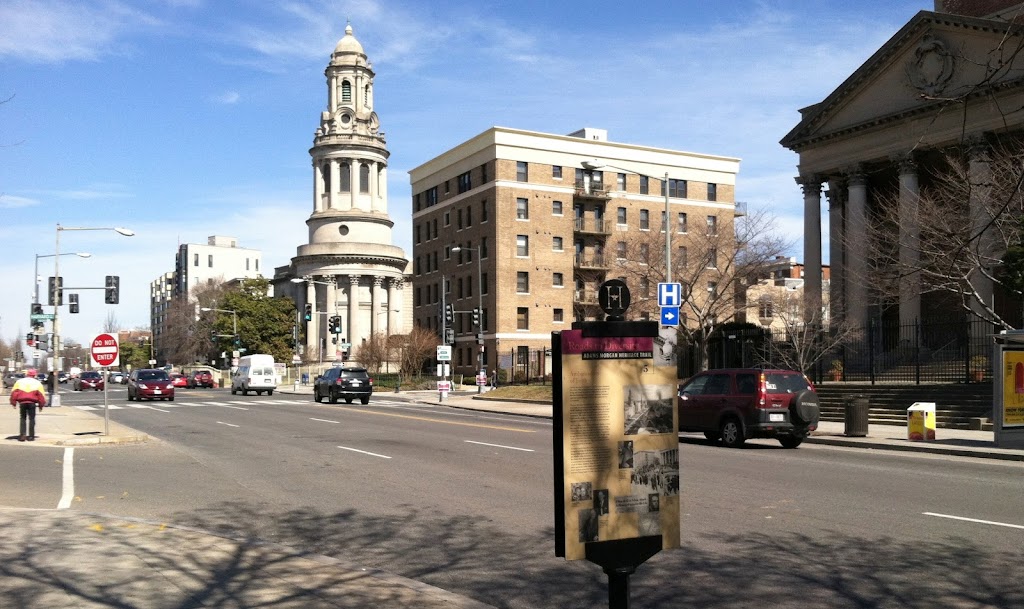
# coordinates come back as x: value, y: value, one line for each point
x: 856, y: 416
x: 921, y: 421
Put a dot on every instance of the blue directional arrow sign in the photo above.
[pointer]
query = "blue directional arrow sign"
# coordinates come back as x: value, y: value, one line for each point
x: 670, y: 316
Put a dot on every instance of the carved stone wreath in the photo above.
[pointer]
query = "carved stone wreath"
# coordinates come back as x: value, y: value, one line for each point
x: 932, y: 67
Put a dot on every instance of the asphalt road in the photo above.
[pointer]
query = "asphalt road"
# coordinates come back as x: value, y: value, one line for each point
x: 462, y: 500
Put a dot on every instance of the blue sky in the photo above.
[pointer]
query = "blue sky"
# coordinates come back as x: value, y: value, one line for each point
x: 181, y: 119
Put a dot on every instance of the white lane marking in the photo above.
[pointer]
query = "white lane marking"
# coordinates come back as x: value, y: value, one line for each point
x: 323, y: 420
x: 228, y: 424
x: 528, y: 450
x: 155, y: 408
x: 227, y: 406
x: 214, y: 403
x: 992, y: 522
x: 68, y: 479
x: 356, y: 450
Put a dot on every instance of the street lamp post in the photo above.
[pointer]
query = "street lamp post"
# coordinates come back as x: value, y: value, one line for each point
x: 480, y: 308
x: 59, y: 296
x: 38, y: 278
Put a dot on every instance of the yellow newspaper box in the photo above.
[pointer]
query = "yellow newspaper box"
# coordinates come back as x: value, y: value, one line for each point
x: 921, y: 421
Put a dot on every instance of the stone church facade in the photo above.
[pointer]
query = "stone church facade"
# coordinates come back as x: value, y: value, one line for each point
x: 950, y: 79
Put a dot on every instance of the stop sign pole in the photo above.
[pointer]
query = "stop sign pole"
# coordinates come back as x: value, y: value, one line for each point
x: 105, y: 351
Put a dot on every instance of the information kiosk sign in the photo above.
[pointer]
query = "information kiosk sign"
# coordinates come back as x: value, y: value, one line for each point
x: 616, y: 446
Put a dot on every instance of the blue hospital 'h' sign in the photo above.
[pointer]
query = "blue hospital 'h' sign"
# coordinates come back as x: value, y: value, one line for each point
x: 670, y: 294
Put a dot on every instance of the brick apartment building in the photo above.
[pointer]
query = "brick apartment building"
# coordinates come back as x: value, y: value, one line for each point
x: 527, y: 225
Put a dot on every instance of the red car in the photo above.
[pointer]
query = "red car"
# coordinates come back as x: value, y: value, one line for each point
x: 89, y: 380
x: 150, y: 383
x: 200, y: 378
x: 179, y: 380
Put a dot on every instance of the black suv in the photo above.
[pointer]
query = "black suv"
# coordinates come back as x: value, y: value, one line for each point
x: 739, y: 403
x: 347, y: 383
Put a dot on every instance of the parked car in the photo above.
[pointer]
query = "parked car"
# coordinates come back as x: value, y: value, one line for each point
x: 42, y: 377
x: 179, y: 380
x: 734, y: 404
x: 340, y: 382
x: 200, y: 378
x: 90, y: 379
x: 62, y: 377
x: 150, y: 383
x: 11, y: 378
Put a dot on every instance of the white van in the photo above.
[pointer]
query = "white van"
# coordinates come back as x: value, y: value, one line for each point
x: 254, y: 373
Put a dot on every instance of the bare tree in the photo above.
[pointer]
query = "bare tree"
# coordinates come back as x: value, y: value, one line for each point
x: 374, y: 352
x: 187, y: 335
x: 413, y: 351
x: 799, y: 339
x: 969, y: 215
x: 110, y: 325
x: 714, y: 261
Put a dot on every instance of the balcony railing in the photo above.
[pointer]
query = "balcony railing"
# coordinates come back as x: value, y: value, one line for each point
x: 591, y: 261
x: 593, y: 225
x: 586, y: 297
x: 592, y: 191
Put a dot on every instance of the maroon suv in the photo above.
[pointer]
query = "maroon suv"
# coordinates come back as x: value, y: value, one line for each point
x: 739, y: 403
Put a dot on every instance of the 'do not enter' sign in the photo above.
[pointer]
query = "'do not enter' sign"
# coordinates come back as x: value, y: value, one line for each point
x: 104, y: 351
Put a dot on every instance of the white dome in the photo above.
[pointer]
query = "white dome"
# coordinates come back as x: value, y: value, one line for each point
x: 349, y: 44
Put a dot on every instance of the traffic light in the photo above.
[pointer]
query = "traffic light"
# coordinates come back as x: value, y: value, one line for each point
x: 476, y: 317
x: 37, y: 309
x: 334, y: 324
x: 30, y: 339
x: 73, y: 303
x: 449, y: 314
x: 308, y: 315
x: 113, y: 287
x: 56, y: 291
x: 238, y: 340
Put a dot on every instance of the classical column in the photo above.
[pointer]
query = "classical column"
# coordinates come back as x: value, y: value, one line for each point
x: 380, y: 204
x: 980, y: 176
x: 332, y: 195
x: 332, y: 94
x: 353, y: 311
x: 312, y: 333
x: 318, y: 187
x: 811, y: 186
x: 909, y: 242
x: 395, y: 296
x: 353, y: 183
x: 857, y: 281
x: 376, y: 300
x: 836, y: 229
x: 371, y: 177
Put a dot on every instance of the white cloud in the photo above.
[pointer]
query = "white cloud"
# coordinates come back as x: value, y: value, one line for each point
x: 16, y: 202
x: 227, y: 98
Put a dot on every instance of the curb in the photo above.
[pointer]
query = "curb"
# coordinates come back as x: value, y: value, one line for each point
x: 88, y: 441
x: 937, y: 450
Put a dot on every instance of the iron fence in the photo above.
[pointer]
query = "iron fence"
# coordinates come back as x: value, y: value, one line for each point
x: 922, y: 352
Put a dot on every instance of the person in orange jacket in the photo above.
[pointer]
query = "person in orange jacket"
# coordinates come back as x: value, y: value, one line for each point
x: 28, y: 394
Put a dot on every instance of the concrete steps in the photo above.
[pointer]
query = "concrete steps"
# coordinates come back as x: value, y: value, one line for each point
x: 957, y: 406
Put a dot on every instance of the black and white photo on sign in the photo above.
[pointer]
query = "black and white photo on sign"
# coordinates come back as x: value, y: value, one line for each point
x: 653, y: 503
x: 649, y: 524
x: 648, y: 409
x: 655, y: 471
x: 588, y: 525
x: 601, y: 502
x: 581, y: 491
x: 626, y: 454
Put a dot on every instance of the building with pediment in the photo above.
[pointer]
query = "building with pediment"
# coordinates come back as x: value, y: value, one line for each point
x: 349, y: 269
x: 949, y: 78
